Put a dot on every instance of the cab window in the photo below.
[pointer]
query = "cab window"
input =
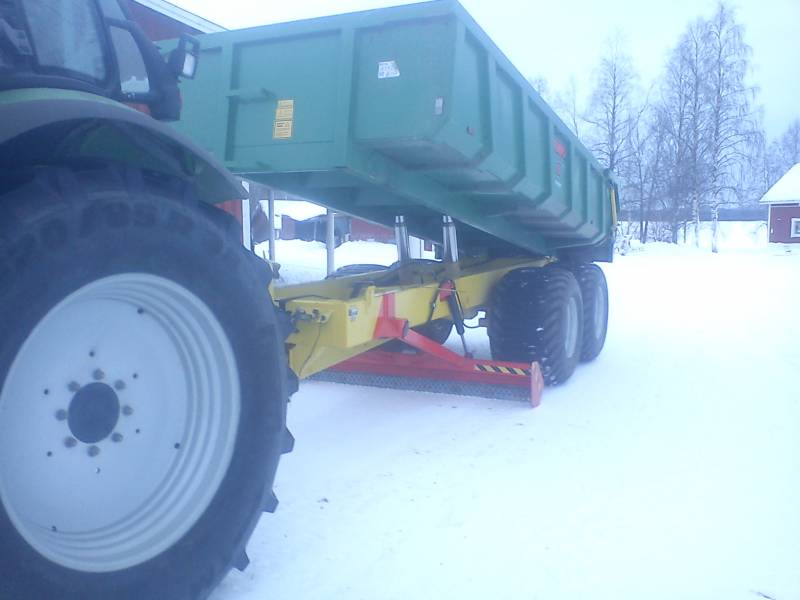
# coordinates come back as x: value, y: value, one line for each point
x: 67, y: 35
x: 132, y: 70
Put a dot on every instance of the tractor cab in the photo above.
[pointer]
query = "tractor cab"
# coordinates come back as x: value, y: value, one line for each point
x: 90, y: 46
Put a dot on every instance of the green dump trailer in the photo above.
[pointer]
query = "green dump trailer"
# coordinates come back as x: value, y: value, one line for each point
x: 147, y: 356
x: 409, y: 111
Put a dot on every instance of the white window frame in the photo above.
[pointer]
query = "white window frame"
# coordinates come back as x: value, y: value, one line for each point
x: 794, y: 228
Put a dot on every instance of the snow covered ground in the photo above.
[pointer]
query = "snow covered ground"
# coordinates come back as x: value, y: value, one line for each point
x: 731, y: 235
x: 668, y: 468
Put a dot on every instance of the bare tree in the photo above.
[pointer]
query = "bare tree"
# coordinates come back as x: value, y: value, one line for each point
x: 644, y: 181
x: 784, y: 152
x: 609, y: 110
x: 566, y: 104
x: 539, y: 83
x: 753, y: 175
x: 679, y: 116
x: 731, y: 125
x: 691, y: 60
x: 711, y: 128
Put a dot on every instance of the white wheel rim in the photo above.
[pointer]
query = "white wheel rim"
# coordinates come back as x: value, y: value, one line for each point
x: 599, y: 314
x: 571, y: 327
x: 117, y: 502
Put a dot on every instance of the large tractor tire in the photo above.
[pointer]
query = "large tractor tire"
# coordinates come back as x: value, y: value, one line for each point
x: 594, y: 291
x: 143, y: 390
x: 535, y: 315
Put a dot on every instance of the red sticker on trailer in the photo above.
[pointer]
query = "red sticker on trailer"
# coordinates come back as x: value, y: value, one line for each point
x: 560, y: 148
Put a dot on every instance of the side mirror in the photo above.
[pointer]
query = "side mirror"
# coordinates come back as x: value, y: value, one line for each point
x: 183, y: 60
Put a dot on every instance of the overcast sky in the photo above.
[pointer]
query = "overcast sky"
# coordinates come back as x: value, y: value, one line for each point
x: 563, y: 38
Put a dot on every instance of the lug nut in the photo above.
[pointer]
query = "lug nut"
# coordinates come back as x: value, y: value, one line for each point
x: 98, y: 374
x: 119, y: 385
x: 61, y: 414
x: 127, y: 410
x: 93, y: 451
x: 74, y: 386
x: 116, y: 437
x: 70, y: 442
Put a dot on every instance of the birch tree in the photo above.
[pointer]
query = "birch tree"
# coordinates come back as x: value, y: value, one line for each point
x: 644, y: 181
x: 677, y: 116
x: 566, y: 104
x: 731, y: 126
x: 784, y: 152
x: 691, y: 62
x: 609, y: 110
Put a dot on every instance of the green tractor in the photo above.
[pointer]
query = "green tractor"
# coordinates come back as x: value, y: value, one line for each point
x: 143, y: 378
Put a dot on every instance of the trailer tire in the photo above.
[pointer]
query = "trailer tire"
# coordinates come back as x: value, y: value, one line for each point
x: 143, y: 389
x: 594, y: 290
x: 535, y: 315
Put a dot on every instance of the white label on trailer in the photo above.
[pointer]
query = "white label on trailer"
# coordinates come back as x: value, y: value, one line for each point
x: 388, y: 69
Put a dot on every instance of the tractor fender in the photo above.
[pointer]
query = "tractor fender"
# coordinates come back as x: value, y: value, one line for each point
x: 52, y: 126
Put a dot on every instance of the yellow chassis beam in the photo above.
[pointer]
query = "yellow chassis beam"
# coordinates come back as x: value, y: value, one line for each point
x: 335, y: 319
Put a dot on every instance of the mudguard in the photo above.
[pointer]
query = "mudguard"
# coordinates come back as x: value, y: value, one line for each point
x: 52, y: 126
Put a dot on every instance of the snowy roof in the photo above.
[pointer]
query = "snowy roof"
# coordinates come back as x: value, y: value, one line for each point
x: 786, y: 189
x: 181, y: 15
x: 299, y: 210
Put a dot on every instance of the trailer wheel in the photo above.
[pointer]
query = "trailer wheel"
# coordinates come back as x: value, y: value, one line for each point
x: 535, y: 315
x: 143, y: 390
x: 594, y: 291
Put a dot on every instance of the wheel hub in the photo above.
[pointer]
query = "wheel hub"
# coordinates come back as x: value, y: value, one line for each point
x: 120, y: 416
x: 93, y: 412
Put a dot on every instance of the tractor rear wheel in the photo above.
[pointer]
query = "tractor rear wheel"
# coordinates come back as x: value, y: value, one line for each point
x: 143, y: 390
x: 536, y: 315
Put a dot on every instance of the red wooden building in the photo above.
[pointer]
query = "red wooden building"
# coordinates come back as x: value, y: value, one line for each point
x: 783, y: 199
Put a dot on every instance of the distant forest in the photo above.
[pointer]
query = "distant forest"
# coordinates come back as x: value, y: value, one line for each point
x: 692, y: 147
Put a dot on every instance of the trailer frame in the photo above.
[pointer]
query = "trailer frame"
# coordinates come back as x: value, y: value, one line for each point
x: 337, y: 320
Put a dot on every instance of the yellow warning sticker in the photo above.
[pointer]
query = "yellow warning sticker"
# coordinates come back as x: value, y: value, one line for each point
x: 284, y: 120
x: 282, y: 130
x: 502, y: 370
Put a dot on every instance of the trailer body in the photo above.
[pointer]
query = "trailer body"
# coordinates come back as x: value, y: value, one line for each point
x: 410, y: 110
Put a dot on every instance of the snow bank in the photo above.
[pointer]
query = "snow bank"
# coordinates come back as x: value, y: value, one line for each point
x: 731, y: 236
